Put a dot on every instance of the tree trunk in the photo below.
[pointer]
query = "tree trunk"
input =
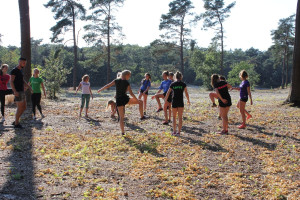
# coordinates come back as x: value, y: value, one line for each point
x: 282, y: 73
x: 287, y: 69
x: 108, y: 47
x: 25, y: 40
x: 75, y: 52
x: 222, y: 50
x: 294, y: 96
x: 181, y: 46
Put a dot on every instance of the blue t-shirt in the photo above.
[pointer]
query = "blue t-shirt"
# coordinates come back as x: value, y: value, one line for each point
x: 145, y: 84
x: 243, y: 89
x: 165, y: 85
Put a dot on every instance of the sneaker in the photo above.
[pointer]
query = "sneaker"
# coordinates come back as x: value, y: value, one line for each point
x: 18, y: 126
x: 243, y: 126
x: 178, y: 134
x: 169, y: 121
x: 249, y: 117
x: 160, y: 109
x: 43, y: 116
x: 219, y: 118
x: 174, y: 133
x: 214, y: 105
x: 123, y: 134
x: 143, y: 118
x: 165, y: 123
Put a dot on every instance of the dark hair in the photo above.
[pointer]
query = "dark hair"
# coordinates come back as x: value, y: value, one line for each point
x: 147, y: 74
x: 222, y: 78
x: 214, y: 79
x: 166, y: 73
x: 2, y: 67
x: 24, y: 59
x: 244, y: 74
x: 171, y: 74
x: 178, y: 75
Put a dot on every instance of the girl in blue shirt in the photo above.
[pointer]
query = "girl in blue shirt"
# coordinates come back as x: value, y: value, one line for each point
x: 146, y: 84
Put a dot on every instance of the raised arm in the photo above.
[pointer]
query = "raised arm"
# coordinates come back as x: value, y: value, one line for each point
x: 107, y: 86
x: 187, y: 95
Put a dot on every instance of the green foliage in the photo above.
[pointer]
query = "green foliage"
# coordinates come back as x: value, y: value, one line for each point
x: 205, y: 64
x: 54, y: 73
x: 233, y: 76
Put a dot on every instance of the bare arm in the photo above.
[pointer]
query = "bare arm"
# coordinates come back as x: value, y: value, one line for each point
x: 12, y: 79
x: 250, y: 95
x: 43, y: 87
x: 147, y: 89
x: 168, y: 94
x: 107, y: 86
x: 220, y: 97
x: 79, y: 86
x: 91, y: 93
x: 187, y: 95
x: 130, y: 92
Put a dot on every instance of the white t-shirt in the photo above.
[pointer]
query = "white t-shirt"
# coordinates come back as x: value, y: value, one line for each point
x: 85, y: 87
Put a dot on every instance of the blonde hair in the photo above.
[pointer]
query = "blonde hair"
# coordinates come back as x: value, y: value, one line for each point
x: 123, y: 73
x: 110, y: 103
x: 35, y: 69
x: 85, y: 77
x: 243, y: 74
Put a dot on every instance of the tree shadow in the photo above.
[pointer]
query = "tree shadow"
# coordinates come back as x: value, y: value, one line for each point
x: 215, y: 147
x: 135, y: 127
x: 262, y: 130
x: 92, y: 121
x: 146, y: 147
x: 193, y: 130
x: 269, y: 146
x: 20, y: 180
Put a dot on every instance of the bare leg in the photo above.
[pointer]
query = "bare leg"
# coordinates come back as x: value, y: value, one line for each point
x: 145, y: 102
x: 166, y: 111
x: 242, y: 111
x: 224, y: 115
x: 158, y: 100
x: 21, y: 107
x: 140, y: 103
x: 80, y: 112
x: 212, y: 97
x: 170, y: 111
x: 175, y: 110
x: 180, y: 114
x: 140, y: 95
x: 121, y: 113
x: 86, y: 112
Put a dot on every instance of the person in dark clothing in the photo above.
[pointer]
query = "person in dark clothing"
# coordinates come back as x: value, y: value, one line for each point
x: 122, y: 99
x: 4, y: 79
x: 178, y: 88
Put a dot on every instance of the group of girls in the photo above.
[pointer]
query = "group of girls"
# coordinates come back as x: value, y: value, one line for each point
x: 222, y: 94
x: 35, y: 82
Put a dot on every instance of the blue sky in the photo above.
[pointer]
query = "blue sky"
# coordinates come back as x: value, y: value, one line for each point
x: 249, y: 25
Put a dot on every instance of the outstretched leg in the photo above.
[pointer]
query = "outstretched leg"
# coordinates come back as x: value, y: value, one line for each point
x: 121, y: 111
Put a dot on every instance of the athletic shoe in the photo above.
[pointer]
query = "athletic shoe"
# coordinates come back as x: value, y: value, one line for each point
x: 160, y: 109
x: 174, y: 133
x: 214, y: 105
x: 18, y: 126
x: 243, y: 126
x: 249, y: 117
x: 219, y: 118
x: 43, y: 116
x: 123, y: 134
x: 3, y: 119
x: 169, y: 121
x: 178, y: 134
x: 165, y: 123
x: 143, y: 118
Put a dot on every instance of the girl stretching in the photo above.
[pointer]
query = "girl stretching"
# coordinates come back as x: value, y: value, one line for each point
x: 36, y: 82
x: 224, y: 99
x: 4, y: 78
x: 213, y: 96
x: 86, y: 94
x: 178, y: 88
x: 122, y: 99
x: 165, y: 85
x: 146, y: 84
x: 245, y: 91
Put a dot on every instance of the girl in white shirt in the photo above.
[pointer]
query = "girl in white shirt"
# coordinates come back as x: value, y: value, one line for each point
x: 86, y: 94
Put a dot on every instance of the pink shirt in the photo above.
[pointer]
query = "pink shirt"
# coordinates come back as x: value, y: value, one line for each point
x: 3, y: 81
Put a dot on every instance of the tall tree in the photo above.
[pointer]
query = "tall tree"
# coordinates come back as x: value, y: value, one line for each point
x: 104, y: 27
x: 175, y: 22
x: 294, y: 96
x: 25, y: 38
x: 66, y: 12
x: 214, y: 17
x: 283, y: 38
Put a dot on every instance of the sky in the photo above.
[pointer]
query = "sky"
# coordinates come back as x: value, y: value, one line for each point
x: 249, y: 25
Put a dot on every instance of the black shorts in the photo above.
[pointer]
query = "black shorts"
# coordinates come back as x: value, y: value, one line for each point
x: 177, y: 104
x: 122, y: 101
x: 142, y: 91
x: 221, y: 104
x: 244, y: 99
x: 170, y: 97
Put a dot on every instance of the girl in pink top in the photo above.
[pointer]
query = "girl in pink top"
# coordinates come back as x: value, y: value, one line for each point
x: 4, y: 78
